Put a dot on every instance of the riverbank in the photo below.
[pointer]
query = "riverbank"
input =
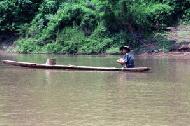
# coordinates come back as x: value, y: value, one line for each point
x: 170, y: 55
x: 174, y: 41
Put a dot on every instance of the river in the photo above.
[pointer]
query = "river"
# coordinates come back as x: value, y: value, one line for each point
x: 31, y: 97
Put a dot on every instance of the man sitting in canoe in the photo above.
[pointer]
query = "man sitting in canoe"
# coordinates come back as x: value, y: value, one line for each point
x: 127, y: 61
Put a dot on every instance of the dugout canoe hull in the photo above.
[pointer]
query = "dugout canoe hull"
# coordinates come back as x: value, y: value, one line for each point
x: 73, y: 67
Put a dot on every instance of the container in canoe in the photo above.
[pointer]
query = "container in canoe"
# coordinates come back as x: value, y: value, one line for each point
x: 73, y: 67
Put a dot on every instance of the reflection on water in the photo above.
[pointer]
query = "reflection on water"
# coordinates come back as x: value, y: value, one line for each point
x: 67, y: 98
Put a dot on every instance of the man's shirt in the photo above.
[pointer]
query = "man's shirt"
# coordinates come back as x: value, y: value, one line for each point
x: 129, y: 60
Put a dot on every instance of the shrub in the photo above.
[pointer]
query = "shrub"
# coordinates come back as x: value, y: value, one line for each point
x: 26, y: 46
x: 186, y: 17
x: 113, y: 50
x: 71, y: 38
x: 52, y: 48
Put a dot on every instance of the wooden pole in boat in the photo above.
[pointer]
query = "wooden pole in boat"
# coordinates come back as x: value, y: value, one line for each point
x: 51, y: 61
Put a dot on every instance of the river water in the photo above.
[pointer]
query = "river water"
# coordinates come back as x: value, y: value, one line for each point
x: 31, y: 97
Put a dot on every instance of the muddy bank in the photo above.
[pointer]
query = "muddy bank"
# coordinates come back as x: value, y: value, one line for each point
x: 170, y: 55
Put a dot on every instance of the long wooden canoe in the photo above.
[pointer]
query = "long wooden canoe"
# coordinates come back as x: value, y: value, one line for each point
x: 73, y: 67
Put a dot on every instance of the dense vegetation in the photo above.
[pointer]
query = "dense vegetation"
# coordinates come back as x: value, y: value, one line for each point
x: 87, y: 26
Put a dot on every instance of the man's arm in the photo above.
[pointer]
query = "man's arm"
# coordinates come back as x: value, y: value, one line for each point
x: 121, y: 61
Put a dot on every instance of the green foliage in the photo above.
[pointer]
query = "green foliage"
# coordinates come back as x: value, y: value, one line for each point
x: 26, y: 46
x: 52, y: 48
x: 14, y: 13
x: 86, y: 26
x: 186, y: 16
x: 71, y: 39
x: 97, y: 42
x: 152, y: 15
x: 49, y: 6
x: 112, y: 50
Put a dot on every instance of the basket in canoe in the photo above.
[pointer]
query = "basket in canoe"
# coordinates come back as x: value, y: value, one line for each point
x: 73, y: 67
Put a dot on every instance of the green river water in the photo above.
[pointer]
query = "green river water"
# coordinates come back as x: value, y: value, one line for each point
x: 31, y: 97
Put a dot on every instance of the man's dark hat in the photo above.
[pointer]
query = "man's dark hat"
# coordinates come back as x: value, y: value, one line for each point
x: 125, y: 47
